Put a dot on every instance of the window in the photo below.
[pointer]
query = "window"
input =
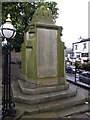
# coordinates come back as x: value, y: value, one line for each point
x: 84, y: 45
x: 75, y: 47
x: 78, y: 56
x: 84, y: 54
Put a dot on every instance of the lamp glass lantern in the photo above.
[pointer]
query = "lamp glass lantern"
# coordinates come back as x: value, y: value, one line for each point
x: 7, y: 29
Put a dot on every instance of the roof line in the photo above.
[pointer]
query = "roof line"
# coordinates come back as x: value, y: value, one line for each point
x: 83, y: 40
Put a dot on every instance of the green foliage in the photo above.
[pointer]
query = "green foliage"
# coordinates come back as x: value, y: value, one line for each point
x: 21, y: 13
x: 52, y: 6
x: 86, y: 66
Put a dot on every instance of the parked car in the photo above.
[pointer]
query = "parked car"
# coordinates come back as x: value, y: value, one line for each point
x: 79, y: 71
x: 70, y: 69
x: 85, y: 77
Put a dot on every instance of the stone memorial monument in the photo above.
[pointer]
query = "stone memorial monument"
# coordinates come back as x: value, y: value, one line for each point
x: 42, y: 91
x: 43, y: 51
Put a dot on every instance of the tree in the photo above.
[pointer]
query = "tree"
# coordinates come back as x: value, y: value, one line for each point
x: 21, y: 14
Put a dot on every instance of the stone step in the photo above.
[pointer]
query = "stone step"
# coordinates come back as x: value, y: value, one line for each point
x: 66, y: 113
x: 57, y: 105
x: 76, y: 109
x: 61, y: 104
x: 30, y: 88
x: 41, y: 98
x: 54, y: 106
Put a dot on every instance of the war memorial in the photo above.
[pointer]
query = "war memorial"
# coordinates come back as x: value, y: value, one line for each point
x: 43, y: 50
x: 42, y: 90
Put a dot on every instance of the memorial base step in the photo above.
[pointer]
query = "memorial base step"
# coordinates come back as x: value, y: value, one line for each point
x: 57, y: 102
x: 31, y: 88
x: 41, y: 98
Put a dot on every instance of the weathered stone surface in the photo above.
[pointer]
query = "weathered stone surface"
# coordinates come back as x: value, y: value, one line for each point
x: 35, y: 105
x: 42, y: 115
x: 41, y: 98
x: 65, y: 113
x: 43, y: 15
x: 43, y: 50
x: 31, y: 88
x: 46, y: 52
x: 62, y: 105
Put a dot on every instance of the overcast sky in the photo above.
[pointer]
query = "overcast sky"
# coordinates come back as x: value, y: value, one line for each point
x: 73, y: 17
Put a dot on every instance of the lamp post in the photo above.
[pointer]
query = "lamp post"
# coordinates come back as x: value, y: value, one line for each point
x: 8, y: 31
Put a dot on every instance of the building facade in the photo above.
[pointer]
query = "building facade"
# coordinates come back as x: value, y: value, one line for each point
x: 81, y: 50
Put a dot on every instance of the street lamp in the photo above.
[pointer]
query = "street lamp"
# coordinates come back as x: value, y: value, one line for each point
x: 7, y: 31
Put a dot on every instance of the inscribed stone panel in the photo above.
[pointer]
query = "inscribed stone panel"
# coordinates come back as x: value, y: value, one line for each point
x: 46, y: 52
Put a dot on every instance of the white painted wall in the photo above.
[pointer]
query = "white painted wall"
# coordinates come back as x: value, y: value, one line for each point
x: 80, y: 49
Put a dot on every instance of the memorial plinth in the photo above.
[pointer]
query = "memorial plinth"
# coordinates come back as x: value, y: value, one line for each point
x: 43, y: 51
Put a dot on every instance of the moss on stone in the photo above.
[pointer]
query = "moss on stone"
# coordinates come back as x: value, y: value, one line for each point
x: 41, y: 19
x: 42, y: 15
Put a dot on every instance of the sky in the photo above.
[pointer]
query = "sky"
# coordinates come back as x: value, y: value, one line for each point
x: 73, y: 17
